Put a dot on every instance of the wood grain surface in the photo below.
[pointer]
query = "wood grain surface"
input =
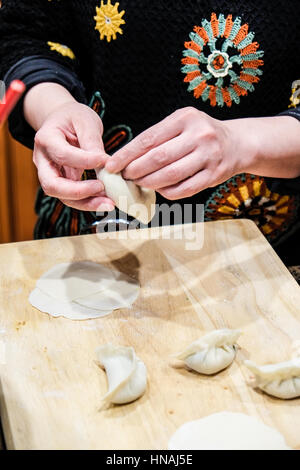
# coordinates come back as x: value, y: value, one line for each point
x: 51, y: 387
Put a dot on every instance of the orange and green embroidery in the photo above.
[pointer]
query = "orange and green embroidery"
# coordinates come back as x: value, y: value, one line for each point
x: 61, y: 49
x: 221, y: 61
x: 247, y: 196
x: 109, y: 20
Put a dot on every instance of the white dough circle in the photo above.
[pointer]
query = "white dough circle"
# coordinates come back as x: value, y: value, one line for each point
x: 83, y: 290
x: 227, y: 431
x: 70, y: 281
x: 57, y: 308
x: 128, y: 197
x: 123, y: 293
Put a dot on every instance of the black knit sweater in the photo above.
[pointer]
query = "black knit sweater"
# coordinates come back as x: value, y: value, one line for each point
x: 148, y: 58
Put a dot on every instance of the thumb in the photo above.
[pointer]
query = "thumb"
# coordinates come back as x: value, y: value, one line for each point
x: 89, y: 129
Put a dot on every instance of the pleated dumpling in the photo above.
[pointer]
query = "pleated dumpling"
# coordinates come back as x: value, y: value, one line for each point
x: 211, y: 353
x: 278, y: 380
x: 130, y: 198
x: 126, y: 374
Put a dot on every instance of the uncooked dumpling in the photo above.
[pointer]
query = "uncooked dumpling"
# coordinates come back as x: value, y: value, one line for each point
x: 128, y: 197
x: 211, y: 353
x: 126, y: 374
x: 83, y: 290
x: 227, y: 431
x: 279, y: 380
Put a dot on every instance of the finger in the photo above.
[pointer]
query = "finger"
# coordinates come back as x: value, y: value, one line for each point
x: 92, y: 204
x: 159, y: 157
x: 72, y: 173
x: 173, y: 173
x: 89, y: 134
x: 189, y: 187
x: 88, y: 128
x: 55, y: 146
x: 156, y: 135
x: 56, y: 186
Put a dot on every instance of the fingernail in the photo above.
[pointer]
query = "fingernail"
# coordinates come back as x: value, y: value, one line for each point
x: 105, y: 208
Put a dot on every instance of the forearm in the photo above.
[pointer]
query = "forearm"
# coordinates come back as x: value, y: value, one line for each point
x: 42, y: 100
x: 267, y: 146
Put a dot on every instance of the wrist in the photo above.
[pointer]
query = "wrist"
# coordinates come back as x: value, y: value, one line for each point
x: 276, y: 144
x: 42, y: 100
x: 244, y: 144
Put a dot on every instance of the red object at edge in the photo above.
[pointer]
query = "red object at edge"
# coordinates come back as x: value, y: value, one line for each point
x: 12, y: 96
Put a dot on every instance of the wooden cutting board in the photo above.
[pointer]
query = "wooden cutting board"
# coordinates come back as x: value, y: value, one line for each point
x: 51, y: 387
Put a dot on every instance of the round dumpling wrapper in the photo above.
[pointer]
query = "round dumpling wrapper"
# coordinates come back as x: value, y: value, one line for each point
x: 83, y: 290
x: 70, y: 281
x: 227, y: 431
x: 57, y: 308
x: 121, y: 294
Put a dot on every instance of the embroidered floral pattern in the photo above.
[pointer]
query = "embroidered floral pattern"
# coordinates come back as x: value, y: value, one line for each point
x: 61, y: 49
x: 295, y: 98
x: 109, y: 20
x: 221, y: 61
x: 247, y: 196
x: 98, y: 105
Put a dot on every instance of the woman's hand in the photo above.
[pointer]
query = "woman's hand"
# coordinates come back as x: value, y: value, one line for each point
x: 68, y: 141
x: 182, y: 155
x: 189, y: 151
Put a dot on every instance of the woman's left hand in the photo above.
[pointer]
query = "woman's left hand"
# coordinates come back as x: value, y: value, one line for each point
x: 182, y: 155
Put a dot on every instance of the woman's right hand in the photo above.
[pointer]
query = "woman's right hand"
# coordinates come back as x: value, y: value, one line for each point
x: 68, y: 141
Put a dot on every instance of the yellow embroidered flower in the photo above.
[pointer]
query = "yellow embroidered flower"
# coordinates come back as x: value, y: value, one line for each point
x: 109, y: 20
x: 61, y: 49
x: 295, y: 98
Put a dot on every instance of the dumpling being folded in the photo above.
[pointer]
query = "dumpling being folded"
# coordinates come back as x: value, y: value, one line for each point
x: 128, y: 197
x: 279, y: 380
x: 211, y: 353
x: 126, y: 374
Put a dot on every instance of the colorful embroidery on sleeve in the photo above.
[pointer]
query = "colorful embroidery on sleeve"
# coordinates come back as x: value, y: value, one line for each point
x: 221, y: 62
x: 109, y: 20
x: 61, y: 49
x: 247, y: 196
